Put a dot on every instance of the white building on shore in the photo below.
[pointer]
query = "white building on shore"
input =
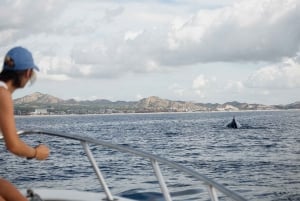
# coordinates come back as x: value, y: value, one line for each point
x: 42, y: 111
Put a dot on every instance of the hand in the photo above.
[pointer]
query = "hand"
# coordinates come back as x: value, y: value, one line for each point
x: 42, y: 152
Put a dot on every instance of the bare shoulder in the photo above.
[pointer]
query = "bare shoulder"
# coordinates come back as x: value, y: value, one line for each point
x: 5, y: 98
x: 6, y: 110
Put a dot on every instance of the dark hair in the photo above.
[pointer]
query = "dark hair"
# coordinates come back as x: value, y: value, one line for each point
x: 15, y: 76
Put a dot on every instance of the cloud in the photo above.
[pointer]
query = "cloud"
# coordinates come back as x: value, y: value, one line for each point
x: 24, y: 18
x: 284, y: 75
x: 199, y: 84
x: 235, y: 86
x: 177, y: 89
x: 258, y: 30
x: 104, y: 39
x: 54, y: 77
x: 54, y: 67
x: 132, y: 35
x: 111, y: 13
x: 127, y: 52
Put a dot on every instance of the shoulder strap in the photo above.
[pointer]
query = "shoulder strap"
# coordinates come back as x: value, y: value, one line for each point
x: 3, y: 84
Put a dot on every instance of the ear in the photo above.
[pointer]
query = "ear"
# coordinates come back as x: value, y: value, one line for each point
x: 28, y: 73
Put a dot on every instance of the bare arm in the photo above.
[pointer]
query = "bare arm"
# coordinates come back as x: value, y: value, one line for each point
x: 12, y: 141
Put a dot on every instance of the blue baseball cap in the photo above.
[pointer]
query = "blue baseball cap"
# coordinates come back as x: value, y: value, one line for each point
x: 19, y: 58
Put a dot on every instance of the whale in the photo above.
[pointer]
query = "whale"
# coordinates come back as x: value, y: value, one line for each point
x: 233, y: 124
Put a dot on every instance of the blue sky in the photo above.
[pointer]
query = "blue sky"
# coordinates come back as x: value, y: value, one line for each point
x: 192, y: 50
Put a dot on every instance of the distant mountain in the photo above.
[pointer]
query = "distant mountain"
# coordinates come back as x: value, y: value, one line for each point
x: 28, y: 104
x: 39, y: 98
x: 245, y: 106
x: 295, y: 105
x: 154, y: 103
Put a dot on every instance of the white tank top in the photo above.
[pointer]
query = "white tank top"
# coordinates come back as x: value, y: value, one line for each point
x: 3, y: 84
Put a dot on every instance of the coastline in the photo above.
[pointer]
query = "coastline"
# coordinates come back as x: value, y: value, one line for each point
x: 149, y: 113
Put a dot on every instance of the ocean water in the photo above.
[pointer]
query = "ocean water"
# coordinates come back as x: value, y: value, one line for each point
x: 260, y: 161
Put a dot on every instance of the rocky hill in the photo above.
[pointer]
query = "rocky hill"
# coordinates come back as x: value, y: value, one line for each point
x: 295, y: 105
x: 53, y: 105
x: 38, y: 98
x: 154, y: 103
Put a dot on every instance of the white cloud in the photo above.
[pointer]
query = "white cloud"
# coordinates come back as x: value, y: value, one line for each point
x: 236, y: 86
x: 111, y: 13
x: 115, y: 40
x: 199, y: 84
x: 254, y: 30
x: 55, y: 77
x: 27, y: 17
x: 131, y: 35
x: 278, y: 76
x: 177, y: 89
x: 55, y: 66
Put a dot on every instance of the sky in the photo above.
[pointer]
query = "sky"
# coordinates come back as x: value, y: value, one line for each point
x: 204, y: 51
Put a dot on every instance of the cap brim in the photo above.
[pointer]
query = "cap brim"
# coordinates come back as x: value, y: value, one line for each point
x: 36, y: 68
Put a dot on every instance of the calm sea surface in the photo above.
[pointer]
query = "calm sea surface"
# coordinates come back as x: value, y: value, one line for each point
x: 260, y: 161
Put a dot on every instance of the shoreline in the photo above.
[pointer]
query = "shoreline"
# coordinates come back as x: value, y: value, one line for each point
x: 148, y: 113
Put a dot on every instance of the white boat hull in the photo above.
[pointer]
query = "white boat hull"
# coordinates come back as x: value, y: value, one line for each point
x: 71, y: 195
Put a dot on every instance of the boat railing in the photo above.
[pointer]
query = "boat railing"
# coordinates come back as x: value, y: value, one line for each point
x: 212, y: 186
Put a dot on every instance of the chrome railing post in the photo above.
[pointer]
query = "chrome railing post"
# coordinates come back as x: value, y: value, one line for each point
x: 161, y: 180
x: 212, y: 193
x: 97, y: 170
